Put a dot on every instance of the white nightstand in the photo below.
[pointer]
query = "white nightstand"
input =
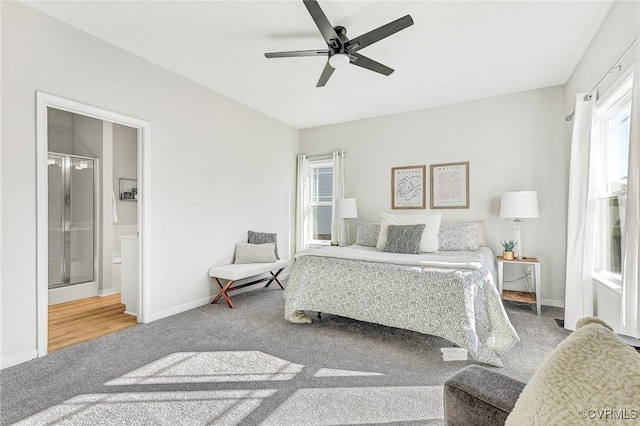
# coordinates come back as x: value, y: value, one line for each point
x: 521, y: 296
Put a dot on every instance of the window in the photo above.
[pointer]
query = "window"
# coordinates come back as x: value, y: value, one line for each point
x: 321, y: 212
x: 612, y: 130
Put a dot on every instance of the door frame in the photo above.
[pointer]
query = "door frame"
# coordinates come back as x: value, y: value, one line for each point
x: 44, y: 101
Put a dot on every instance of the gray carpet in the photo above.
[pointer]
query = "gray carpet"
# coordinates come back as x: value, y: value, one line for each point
x: 215, y: 365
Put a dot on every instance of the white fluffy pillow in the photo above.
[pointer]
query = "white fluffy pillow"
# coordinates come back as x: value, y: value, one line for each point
x: 592, y: 369
x: 429, y: 241
x: 255, y: 253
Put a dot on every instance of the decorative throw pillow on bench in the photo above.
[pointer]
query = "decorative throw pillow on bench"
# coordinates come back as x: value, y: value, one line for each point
x: 265, y: 237
x: 255, y: 253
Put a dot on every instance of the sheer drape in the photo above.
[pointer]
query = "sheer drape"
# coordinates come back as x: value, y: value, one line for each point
x: 580, y: 218
x: 338, y: 226
x: 303, y: 224
x: 630, y: 324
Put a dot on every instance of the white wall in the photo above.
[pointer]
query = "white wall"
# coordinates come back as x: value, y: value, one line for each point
x: 60, y: 131
x: 218, y: 168
x: 125, y: 165
x: 617, y: 32
x: 513, y: 142
x: 125, y: 158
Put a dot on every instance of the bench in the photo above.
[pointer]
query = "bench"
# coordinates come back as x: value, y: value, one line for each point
x: 235, y: 272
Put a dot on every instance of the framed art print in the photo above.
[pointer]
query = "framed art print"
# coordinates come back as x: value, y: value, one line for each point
x: 450, y: 186
x: 408, y: 187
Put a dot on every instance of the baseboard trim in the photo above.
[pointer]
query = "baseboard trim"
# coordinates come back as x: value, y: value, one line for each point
x: 103, y: 293
x: 181, y: 308
x: 552, y: 302
x: 197, y: 303
x: 10, y: 361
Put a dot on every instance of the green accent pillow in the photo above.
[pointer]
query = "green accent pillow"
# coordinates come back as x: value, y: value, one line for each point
x: 404, y: 238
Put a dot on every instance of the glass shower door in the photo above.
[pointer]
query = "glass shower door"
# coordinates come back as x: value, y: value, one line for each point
x: 72, y: 207
x: 56, y: 172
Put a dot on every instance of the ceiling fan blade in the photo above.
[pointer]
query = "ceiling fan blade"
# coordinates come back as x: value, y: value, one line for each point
x: 370, y: 64
x: 326, y: 73
x: 296, y: 53
x: 323, y: 24
x: 379, y: 33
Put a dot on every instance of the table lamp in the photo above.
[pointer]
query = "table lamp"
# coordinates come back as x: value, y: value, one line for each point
x: 346, y: 209
x: 519, y: 205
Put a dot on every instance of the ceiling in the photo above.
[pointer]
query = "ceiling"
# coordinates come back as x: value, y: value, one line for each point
x: 456, y: 51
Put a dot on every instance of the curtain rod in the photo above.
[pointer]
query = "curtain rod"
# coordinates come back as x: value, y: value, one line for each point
x: 324, y: 156
x: 616, y: 65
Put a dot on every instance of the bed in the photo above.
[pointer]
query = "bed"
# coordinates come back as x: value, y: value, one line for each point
x: 451, y: 294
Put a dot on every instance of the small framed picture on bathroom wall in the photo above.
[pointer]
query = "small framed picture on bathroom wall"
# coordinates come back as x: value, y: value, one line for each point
x: 128, y: 189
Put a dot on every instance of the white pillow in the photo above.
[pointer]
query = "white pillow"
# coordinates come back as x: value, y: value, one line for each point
x: 429, y: 241
x: 255, y: 253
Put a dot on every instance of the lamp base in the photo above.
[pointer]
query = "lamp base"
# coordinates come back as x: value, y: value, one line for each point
x: 348, y: 232
x: 517, y: 249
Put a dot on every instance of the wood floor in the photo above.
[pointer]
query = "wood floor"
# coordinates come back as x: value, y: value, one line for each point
x: 81, y: 320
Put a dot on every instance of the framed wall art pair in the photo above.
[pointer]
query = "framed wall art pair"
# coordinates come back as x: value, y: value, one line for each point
x: 449, y: 186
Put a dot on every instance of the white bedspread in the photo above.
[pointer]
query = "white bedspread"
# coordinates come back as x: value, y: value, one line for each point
x: 443, y: 259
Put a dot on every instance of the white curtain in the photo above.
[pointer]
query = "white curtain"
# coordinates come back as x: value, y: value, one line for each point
x: 303, y: 224
x: 630, y: 324
x: 580, y: 217
x: 338, y: 227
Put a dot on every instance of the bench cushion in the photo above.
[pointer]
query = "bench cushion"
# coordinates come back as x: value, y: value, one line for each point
x: 238, y: 271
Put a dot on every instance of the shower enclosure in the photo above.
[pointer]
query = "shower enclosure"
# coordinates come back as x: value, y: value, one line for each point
x: 72, y: 219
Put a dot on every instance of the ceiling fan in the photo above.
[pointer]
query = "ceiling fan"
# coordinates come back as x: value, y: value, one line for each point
x: 340, y: 50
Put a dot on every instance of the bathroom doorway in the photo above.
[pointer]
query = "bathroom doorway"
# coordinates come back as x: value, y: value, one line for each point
x: 85, y: 187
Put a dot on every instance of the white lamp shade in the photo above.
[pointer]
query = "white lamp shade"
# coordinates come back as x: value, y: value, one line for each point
x: 519, y: 205
x: 346, y: 208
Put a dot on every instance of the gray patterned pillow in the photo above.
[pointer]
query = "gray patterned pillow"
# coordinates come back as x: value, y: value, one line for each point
x: 264, y: 237
x: 459, y: 236
x: 404, y: 238
x: 367, y: 234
